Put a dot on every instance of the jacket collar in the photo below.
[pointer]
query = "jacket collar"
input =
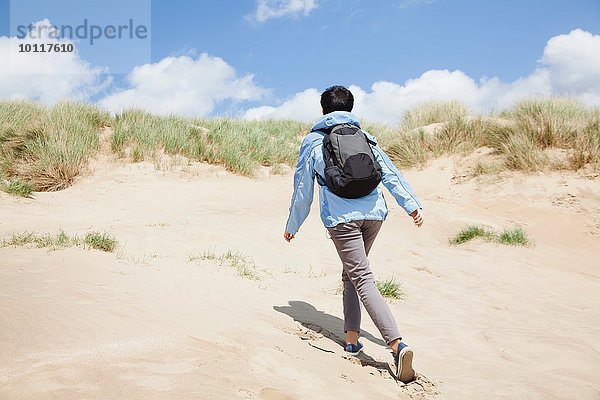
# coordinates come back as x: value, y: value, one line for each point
x: 330, y: 120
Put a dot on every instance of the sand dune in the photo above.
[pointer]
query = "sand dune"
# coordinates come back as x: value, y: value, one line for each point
x: 485, y: 320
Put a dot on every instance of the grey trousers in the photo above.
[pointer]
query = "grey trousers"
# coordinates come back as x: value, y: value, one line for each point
x: 353, y: 240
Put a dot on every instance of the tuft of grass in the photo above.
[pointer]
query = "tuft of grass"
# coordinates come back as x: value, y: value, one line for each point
x: 245, y: 266
x: 18, y: 187
x: 390, y: 289
x: 431, y: 113
x: 459, y: 135
x: 514, y: 237
x: 485, y: 168
x: 408, y: 149
x: 550, y: 122
x: 59, y: 240
x: 242, y: 264
x: 522, y: 154
x: 48, y: 146
x: 100, y: 241
x: 205, y: 255
x: 587, y: 144
x: 471, y: 232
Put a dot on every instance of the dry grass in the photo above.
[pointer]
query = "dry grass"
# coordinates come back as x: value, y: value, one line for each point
x: 92, y: 240
x: 528, y: 137
x: 236, y: 260
x: 46, y: 148
x: 241, y: 146
x: 431, y: 113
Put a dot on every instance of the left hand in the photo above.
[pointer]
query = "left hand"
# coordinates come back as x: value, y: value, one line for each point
x: 417, y: 217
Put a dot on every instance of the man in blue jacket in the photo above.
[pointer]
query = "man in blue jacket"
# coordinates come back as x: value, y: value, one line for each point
x: 353, y: 225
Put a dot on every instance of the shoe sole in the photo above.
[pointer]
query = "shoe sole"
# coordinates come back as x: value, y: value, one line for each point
x: 355, y: 354
x: 405, y: 371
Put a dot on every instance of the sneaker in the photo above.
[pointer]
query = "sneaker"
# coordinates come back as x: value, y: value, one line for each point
x: 403, y: 361
x: 354, y: 349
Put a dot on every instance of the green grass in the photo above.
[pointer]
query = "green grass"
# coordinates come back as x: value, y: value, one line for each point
x: 522, y: 136
x: 242, y: 264
x: 390, y: 289
x: 408, y: 149
x: 59, y: 240
x: 18, y: 187
x: 100, y: 241
x: 241, y: 146
x: 513, y: 237
x: 46, y: 148
x: 92, y: 240
x: 471, y: 232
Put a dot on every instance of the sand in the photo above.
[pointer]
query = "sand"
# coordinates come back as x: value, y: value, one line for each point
x: 145, y: 322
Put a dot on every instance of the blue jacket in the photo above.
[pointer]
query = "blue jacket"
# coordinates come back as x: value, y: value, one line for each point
x: 335, y: 209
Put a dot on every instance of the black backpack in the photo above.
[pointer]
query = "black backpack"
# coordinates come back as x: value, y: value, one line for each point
x: 351, y: 170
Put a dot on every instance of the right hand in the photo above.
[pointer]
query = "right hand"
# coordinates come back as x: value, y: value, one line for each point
x: 417, y: 217
x: 288, y: 236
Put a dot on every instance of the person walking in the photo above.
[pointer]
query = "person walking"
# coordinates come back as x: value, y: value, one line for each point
x: 348, y: 166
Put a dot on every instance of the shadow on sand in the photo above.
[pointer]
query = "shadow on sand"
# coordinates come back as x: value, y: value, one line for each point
x: 332, y: 328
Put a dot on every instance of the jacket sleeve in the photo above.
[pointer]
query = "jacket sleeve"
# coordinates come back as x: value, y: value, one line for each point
x: 304, y: 187
x: 393, y: 180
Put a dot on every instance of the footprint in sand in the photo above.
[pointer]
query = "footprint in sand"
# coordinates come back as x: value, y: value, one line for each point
x: 567, y: 200
x: 421, y: 388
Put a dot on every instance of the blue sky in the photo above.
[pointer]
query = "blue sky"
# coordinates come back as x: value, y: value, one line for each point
x: 379, y: 39
x: 305, y: 44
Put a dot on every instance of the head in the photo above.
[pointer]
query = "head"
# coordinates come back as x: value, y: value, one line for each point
x: 336, y: 98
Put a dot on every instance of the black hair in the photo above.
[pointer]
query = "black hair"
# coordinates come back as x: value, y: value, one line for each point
x: 336, y: 98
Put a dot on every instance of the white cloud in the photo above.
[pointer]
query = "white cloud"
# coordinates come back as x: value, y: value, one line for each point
x: 303, y: 106
x: 568, y: 67
x: 183, y: 85
x: 196, y: 85
x: 573, y: 62
x: 47, y: 77
x: 269, y: 9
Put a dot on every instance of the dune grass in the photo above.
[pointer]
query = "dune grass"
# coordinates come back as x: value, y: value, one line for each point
x: 431, y: 113
x: 522, y: 136
x: 236, y: 260
x: 45, y: 148
x: 93, y: 240
x: 471, y: 232
x: 390, y: 289
x: 17, y: 187
x: 513, y: 237
x: 241, y: 146
x: 58, y: 240
x: 100, y: 241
